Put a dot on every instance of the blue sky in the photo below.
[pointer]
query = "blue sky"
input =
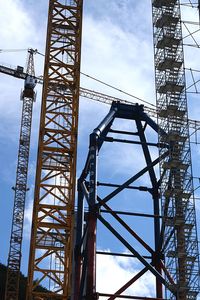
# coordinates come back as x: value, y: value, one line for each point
x: 117, y: 48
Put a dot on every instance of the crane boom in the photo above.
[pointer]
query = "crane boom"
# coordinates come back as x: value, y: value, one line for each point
x: 15, y: 72
x: 20, y: 188
x: 18, y: 72
x: 90, y: 94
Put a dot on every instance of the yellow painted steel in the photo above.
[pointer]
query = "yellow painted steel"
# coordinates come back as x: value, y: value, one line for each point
x: 50, y: 262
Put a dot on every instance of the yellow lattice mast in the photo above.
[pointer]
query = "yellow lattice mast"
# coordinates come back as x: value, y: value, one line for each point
x: 50, y: 262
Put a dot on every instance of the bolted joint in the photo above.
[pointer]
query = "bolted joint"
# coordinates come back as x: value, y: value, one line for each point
x: 93, y: 140
x: 94, y: 296
x: 95, y: 210
x: 79, y: 182
x: 77, y: 251
x: 156, y: 257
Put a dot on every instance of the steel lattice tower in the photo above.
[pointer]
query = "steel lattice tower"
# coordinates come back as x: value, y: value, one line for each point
x: 53, y: 213
x: 95, y: 208
x: 20, y: 188
x: 179, y: 243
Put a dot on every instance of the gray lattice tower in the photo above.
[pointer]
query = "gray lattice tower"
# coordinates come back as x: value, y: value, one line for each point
x: 20, y: 188
x: 180, y: 245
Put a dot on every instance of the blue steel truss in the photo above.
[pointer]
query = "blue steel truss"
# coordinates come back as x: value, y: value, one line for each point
x: 93, y: 208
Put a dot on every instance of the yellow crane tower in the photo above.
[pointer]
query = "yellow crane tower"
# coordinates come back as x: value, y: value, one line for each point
x: 50, y: 262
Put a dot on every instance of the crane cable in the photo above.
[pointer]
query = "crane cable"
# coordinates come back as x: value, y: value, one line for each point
x: 86, y: 75
x: 117, y: 89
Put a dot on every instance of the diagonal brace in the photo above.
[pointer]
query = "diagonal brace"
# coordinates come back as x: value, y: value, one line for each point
x: 129, y: 283
x: 134, y: 252
x: 130, y: 230
x: 135, y: 177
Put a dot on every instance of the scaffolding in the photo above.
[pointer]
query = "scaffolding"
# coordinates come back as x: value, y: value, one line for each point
x: 180, y: 245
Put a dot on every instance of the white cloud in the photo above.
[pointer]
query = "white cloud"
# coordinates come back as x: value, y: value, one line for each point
x: 114, y: 272
x: 18, y: 31
x: 28, y: 214
x: 108, y: 52
x: 15, y: 22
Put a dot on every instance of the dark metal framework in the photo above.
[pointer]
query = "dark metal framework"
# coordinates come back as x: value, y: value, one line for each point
x: 93, y: 208
x: 20, y: 188
x: 180, y: 245
x: 50, y: 261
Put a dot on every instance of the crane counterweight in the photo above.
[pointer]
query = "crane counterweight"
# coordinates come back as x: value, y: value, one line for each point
x: 29, y: 85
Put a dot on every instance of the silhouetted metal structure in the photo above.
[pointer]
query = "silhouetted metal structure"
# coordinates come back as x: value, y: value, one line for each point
x: 93, y: 208
x: 179, y: 244
x: 20, y: 188
x: 50, y: 262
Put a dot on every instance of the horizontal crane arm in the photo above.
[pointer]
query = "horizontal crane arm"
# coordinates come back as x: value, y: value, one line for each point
x: 18, y: 72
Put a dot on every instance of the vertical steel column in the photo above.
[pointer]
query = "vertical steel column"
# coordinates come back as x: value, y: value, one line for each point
x: 92, y: 220
x: 50, y: 263
x: 179, y: 243
x: 156, y: 207
x: 78, y: 247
